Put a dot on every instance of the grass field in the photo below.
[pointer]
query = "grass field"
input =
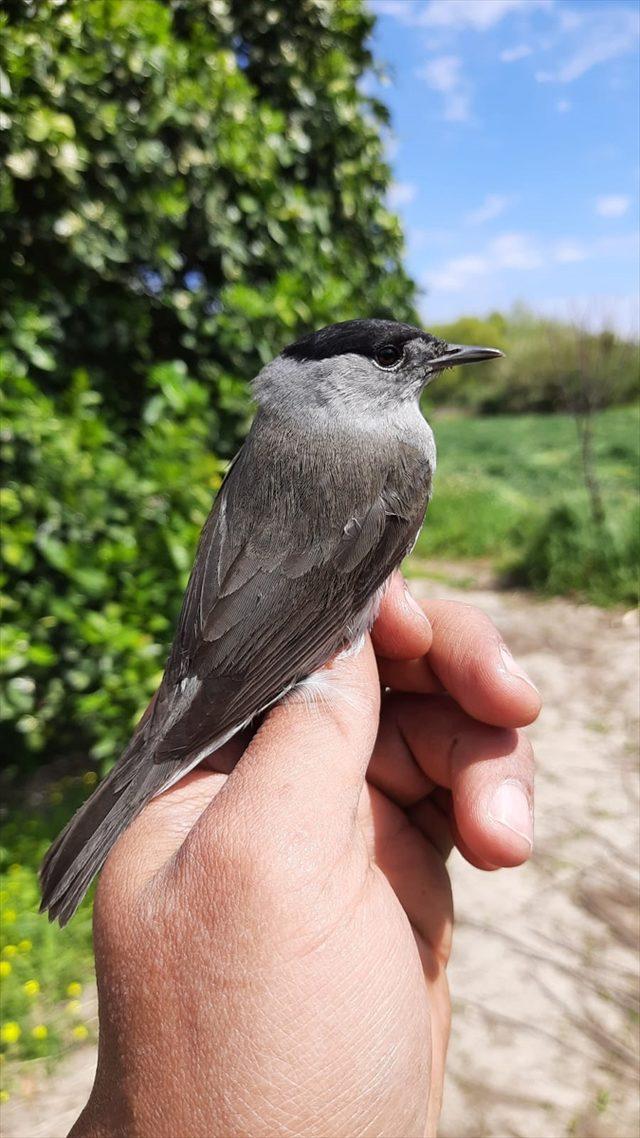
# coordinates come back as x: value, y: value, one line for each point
x: 510, y: 488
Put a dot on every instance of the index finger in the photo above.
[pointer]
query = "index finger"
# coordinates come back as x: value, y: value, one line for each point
x: 402, y: 630
x: 468, y: 659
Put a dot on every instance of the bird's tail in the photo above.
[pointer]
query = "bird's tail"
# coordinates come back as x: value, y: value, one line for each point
x: 80, y: 851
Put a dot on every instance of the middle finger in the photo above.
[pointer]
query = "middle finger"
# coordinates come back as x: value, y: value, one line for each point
x: 429, y: 741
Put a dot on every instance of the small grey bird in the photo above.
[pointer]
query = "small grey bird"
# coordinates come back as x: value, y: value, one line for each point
x: 320, y: 505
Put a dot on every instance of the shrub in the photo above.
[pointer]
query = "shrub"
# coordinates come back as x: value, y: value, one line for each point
x: 548, y: 366
x: 97, y: 543
x: 565, y: 553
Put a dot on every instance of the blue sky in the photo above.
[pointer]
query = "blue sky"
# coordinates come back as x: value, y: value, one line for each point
x: 515, y: 153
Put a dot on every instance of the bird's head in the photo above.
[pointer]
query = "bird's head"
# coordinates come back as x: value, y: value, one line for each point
x: 367, y: 364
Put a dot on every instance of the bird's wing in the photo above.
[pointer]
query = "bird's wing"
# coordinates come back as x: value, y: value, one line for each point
x: 272, y: 596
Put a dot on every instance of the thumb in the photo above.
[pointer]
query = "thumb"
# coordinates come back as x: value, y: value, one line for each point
x: 302, y: 772
x: 301, y: 776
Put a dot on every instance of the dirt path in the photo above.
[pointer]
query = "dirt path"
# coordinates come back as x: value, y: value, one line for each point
x: 544, y: 971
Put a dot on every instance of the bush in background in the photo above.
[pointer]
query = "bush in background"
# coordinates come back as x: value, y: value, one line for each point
x: 548, y: 366
x: 97, y: 542
x: 564, y: 553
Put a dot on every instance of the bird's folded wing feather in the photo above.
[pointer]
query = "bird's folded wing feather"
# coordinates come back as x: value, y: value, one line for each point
x: 273, y: 594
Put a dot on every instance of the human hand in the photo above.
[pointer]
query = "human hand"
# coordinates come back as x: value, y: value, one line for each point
x: 271, y: 944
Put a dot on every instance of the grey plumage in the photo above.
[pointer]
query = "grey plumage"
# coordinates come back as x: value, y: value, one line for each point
x: 319, y: 506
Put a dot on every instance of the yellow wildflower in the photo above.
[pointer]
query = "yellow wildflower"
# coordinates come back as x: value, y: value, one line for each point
x: 31, y: 987
x: 73, y: 1007
x: 80, y: 1031
x: 4, y: 1096
x: 74, y: 988
x: 40, y: 1031
x: 89, y: 778
x: 9, y: 916
x: 9, y: 950
x: 25, y: 946
x: 5, y: 968
x: 10, y: 1032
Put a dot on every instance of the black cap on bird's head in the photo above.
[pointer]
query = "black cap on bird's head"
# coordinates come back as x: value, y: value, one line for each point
x: 384, y: 342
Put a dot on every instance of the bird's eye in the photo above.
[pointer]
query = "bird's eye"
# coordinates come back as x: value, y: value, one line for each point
x: 388, y: 355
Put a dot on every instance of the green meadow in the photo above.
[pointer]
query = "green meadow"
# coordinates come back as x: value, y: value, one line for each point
x: 511, y: 488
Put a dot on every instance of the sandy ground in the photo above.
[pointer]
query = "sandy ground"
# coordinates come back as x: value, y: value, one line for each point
x: 544, y: 972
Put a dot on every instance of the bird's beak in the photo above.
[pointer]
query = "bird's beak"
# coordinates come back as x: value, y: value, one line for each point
x: 463, y: 354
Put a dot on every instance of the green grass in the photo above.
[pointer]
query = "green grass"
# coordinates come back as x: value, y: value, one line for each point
x: 510, y: 488
x: 43, y: 969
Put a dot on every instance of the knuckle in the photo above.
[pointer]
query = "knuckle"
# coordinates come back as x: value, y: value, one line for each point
x: 480, y: 742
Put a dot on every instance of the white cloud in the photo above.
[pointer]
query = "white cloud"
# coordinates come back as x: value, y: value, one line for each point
x: 455, y: 274
x: 508, y: 251
x: 401, y: 10
x: 445, y: 74
x: 612, y: 205
x: 476, y: 14
x: 563, y: 105
x: 606, y: 34
x: 453, y: 14
x: 522, y: 252
x: 568, y: 19
x: 492, y: 206
x: 569, y: 252
x: 515, y: 251
x: 513, y: 54
x: 401, y: 193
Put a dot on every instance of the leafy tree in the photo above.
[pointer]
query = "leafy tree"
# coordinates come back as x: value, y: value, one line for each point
x: 188, y: 180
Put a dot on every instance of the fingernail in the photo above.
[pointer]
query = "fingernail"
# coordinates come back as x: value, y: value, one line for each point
x: 510, y: 808
x: 514, y: 669
x: 413, y: 605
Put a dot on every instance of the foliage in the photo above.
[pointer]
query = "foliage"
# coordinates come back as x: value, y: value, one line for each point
x: 43, y: 970
x: 564, y: 553
x: 97, y: 544
x: 548, y: 366
x: 188, y: 181
x: 510, y: 488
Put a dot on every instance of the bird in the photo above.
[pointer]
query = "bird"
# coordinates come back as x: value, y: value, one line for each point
x: 319, y: 507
